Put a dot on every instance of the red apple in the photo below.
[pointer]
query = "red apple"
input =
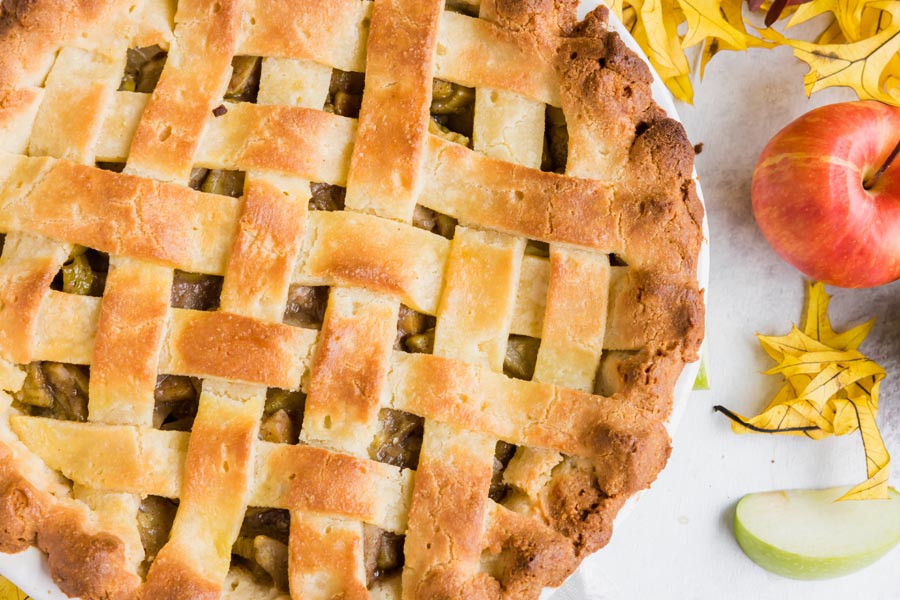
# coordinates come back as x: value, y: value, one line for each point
x: 826, y: 193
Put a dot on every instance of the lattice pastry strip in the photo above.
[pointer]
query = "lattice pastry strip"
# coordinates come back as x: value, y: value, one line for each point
x: 475, y: 52
x: 455, y: 466
x: 333, y: 34
x: 510, y: 127
x: 394, y: 113
x: 125, y: 359
x: 27, y: 267
x: 349, y: 370
x: 226, y: 412
x: 76, y: 96
x: 326, y: 557
x: 130, y: 332
x: 325, y: 553
x: 285, y: 476
x: 199, y: 60
x: 218, y: 468
x: 83, y: 81
x: 293, y: 82
x: 269, y: 233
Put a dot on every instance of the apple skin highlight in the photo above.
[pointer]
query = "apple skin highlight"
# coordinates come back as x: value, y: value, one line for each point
x: 810, y: 203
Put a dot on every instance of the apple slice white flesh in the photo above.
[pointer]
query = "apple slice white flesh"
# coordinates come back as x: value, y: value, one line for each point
x: 805, y: 534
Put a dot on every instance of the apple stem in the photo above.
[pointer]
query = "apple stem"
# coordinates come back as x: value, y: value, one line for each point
x: 870, y: 183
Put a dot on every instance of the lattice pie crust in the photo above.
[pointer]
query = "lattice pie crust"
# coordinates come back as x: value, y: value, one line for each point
x: 245, y: 452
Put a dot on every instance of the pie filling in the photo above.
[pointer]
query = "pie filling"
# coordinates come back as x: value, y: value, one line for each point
x: 143, y: 67
x: 556, y: 141
x: 345, y: 93
x: 218, y: 181
x: 467, y: 7
x: 176, y: 400
x: 195, y: 291
x: 60, y: 391
x: 54, y: 390
x: 244, y: 83
x: 83, y: 273
x: 452, y: 112
x: 326, y: 196
x: 154, y: 519
x: 433, y: 221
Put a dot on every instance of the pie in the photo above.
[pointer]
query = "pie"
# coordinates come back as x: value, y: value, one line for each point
x: 335, y: 299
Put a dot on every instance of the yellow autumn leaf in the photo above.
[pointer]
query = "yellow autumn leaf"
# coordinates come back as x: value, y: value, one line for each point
x: 817, y: 324
x: 877, y: 458
x: 8, y: 591
x: 617, y: 7
x: 656, y: 31
x: 794, y: 343
x: 872, y: 21
x: 811, y: 362
x: 832, y: 35
x: 858, y: 46
x: 858, y: 65
x: 705, y: 20
x: 830, y: 388
x: 835, y: 377
x: 733, y: 13
x: 847, y: 13
x: 811, y: 10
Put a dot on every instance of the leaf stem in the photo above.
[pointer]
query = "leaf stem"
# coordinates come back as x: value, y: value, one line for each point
x: 871, y: 181
x: 737, y: 419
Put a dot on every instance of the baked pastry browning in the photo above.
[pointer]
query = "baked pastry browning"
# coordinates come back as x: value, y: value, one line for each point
x: 335, y: 299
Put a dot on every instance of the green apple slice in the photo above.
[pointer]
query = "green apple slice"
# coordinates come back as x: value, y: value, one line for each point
x: 702, y: 380
x: 805, y: 534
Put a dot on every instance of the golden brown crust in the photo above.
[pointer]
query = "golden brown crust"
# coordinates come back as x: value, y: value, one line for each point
x: 446, y: 516
x: 545, y: 19
x: 238, y: 348
x: 172, y: 579
x: 524, y: 555
x: 574, y: 326
x: 130, y: 332
x: 17, y: 111
x: 578, y: 507
x: 21, y: 295
x: 349, y: 370
x: 219, y: 466
x: 30, y: 31
x: 124, y: 215
x: 168, y: 135
x: 293, y: 28
x: 20, y: 508
x: 666, y: 195
x: 317, y: 480
x: 85, y: 564
x: 307, y: 143
x: 393, y: 119
x: 627, y: 190
x: 653, y: 310
x: 313, y: 552
x: 265, y: 248
x: 394, y: 258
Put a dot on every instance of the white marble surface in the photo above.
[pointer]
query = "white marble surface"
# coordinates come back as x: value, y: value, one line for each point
x: 678, y: 542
